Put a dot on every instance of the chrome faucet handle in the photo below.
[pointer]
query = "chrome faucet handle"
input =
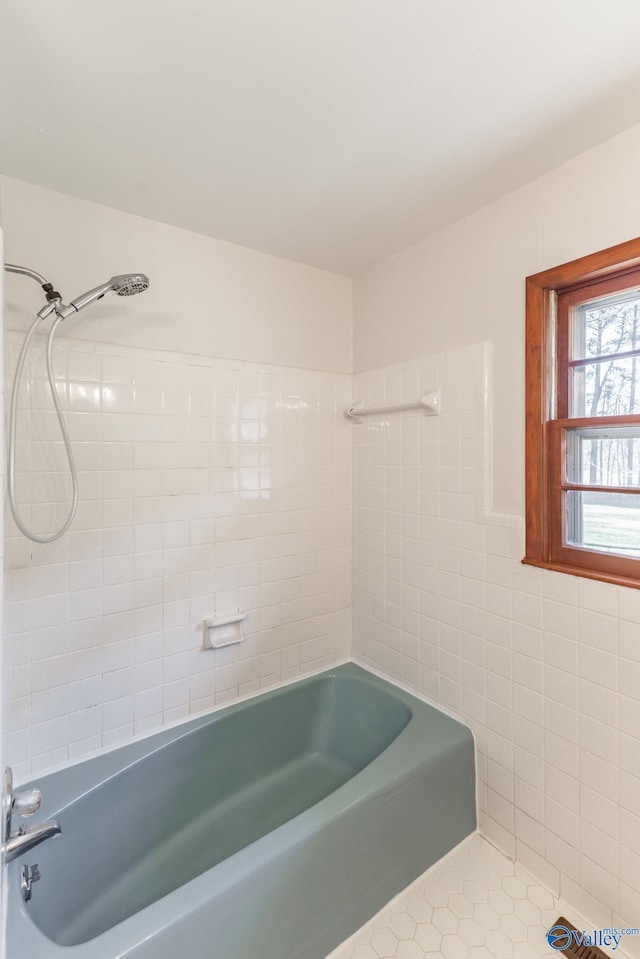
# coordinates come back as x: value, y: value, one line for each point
x: 27, y: 803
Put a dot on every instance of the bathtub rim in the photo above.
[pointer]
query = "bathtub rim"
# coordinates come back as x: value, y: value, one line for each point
x: 21, y: 782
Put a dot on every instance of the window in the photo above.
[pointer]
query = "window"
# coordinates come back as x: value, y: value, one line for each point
x: 583, y: 416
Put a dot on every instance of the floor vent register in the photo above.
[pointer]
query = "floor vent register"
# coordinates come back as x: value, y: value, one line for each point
x: 574, y: 948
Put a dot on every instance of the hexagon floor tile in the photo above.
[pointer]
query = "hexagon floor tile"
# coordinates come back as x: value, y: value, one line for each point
x: 474, y: 904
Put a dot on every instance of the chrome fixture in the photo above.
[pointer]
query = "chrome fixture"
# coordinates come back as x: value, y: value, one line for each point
x: 28, y: 875
x: 26, y: 837
x: 16, y: 842
x: 126, y: 284
x: 25, y: 271
x: 26, y: 803
x: 123, y: 285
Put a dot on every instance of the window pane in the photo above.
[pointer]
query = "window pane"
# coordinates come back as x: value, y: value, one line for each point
x: 610, y: 324
x: 605, y: 522
x: 604, y: 457
x: 610, y: 388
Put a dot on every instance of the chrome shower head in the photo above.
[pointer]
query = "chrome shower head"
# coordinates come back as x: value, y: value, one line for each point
x: 124, y: 285
x: 129, y: 283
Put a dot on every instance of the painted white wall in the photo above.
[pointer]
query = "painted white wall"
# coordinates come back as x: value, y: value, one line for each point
x: 466, y: 284
x: 206, y: 297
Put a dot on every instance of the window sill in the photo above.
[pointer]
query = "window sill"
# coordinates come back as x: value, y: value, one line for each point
x: 584, y: 573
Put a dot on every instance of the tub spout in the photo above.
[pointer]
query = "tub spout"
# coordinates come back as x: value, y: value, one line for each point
x: 27, y: 837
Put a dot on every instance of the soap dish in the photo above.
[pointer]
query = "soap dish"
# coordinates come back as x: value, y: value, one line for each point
x: 224, y: 631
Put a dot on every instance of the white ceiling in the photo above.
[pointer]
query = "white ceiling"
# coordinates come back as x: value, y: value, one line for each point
x: 334, y: 132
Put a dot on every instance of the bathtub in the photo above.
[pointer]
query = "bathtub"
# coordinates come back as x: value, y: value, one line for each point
x: 272, y: 828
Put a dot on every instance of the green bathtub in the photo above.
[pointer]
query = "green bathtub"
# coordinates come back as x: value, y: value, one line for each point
x: 272, y: 828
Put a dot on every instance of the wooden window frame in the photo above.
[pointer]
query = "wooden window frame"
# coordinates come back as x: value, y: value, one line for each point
x: 548, y: 416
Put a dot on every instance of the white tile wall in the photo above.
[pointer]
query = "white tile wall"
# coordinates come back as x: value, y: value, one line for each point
x: 544, y: 667
x: 206, y: 487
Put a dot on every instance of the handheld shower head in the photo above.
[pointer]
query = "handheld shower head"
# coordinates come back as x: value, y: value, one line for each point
x: 129, y: 283
x: 124, y: 285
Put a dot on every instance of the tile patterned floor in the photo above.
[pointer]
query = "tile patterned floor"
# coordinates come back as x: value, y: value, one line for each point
x: 473, y: 904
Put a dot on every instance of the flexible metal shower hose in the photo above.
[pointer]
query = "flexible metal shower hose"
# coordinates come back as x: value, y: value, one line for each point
x: 13, y: 416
